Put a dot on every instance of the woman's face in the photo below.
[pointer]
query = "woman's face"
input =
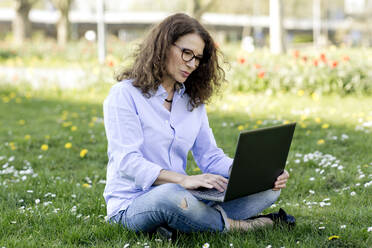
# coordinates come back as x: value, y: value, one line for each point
x: 185, y: 48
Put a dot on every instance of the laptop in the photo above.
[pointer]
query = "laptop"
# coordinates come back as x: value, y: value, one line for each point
x: 260, y: 157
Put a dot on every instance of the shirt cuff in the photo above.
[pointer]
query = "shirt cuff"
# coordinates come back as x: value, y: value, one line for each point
x: 148, y: 177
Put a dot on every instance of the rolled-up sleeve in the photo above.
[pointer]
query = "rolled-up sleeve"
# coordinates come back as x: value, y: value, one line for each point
x: 125, y: 138
x: 209, y: 157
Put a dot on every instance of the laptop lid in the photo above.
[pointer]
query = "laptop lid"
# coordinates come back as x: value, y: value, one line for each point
x: 260, y: 157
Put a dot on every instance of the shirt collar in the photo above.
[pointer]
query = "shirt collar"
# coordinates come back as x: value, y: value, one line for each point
x: 178, y: 87
x: 161, y: 91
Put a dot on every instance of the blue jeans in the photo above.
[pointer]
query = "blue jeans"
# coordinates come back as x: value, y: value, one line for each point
x: 172, y: 205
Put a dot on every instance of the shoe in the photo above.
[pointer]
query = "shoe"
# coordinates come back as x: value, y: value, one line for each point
x: 280, y: 218
x: 165, y: 233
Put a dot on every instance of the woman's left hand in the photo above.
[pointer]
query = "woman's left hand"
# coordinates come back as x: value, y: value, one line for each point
x: 281, y: 181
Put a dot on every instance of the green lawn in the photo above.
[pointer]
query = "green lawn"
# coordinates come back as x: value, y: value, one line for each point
x: 53, y: 197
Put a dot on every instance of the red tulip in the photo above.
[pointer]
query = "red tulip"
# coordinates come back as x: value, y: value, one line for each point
x: 304, y: 58
x: 257, y: 66
x: 334, y: 64
x: 110, y: 63
x: 346, y: 58
x: 296, y: 54
x: 261, y: 74
x: 323, y: 57
x: 241, y: 60
x: 316, y: 62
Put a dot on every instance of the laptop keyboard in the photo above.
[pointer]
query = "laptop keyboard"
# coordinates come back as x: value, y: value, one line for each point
x: 213, y: 192
x: 208, y: 194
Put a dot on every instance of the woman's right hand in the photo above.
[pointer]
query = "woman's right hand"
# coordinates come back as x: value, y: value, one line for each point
x: 205, y: 180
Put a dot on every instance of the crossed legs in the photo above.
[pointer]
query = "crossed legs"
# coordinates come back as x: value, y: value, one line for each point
x: 172, y: 205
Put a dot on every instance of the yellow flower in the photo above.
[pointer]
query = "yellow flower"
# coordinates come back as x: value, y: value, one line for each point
x: 21, y: 122
x: 66, y: 124
x: 300, y: 92
x: 285, y: 122
x: 18, y: 100
x: 318, y: 120
x: 6, y: 99
x: 28, y: 95
x: 315, y: 97
x: 259, y: 122
x: 303, y: 117
x: 325, y: 125
x: 27, y: 137
x: 91, y: 124
x: 68, y: 145
x: 73, y: 128
x: 240, y: 127
x: 320, y: 142
x: 44, y: 147
x: 196, y: 169
x: 333, y: 237
x: 12, y: 95
x: 12, y: 146
x: 303, y: 125
x: 85, y: 185
x: 83, y: 152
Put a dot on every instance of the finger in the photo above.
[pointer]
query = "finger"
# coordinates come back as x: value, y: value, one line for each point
x: 280, y: 181
x: 222, y: 185
x: 280, y: 186
x: 283, y: 176
x: 217, y: 185
x: 218, y: 177
x: 224, y: 180
x: 206, y: 185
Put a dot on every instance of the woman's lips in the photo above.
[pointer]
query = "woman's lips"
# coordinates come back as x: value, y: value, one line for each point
x: 185, y: 74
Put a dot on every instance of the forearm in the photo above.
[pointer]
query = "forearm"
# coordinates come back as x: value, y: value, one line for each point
x: 166, y: 176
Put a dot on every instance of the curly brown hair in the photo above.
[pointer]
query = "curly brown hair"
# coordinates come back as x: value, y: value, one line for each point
x: 149, y: 65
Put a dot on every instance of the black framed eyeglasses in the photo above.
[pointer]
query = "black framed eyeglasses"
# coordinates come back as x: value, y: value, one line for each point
x: 188, y: 55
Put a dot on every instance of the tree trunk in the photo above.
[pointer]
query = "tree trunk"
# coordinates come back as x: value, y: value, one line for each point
x: 62, y: 29
x: 21, y: 24
x: 63, y: 24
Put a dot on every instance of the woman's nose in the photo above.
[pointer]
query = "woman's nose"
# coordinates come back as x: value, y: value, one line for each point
x: 192, y: 63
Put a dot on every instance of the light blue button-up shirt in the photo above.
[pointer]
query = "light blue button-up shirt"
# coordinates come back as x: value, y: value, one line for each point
x: 144, y: 138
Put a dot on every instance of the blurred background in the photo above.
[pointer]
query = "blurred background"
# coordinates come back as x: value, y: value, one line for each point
x: 271, y: 45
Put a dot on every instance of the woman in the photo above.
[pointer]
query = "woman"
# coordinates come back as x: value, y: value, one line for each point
x: 153, y: 118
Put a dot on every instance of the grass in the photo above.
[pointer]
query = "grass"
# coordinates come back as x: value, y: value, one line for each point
x: 53, y: 197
